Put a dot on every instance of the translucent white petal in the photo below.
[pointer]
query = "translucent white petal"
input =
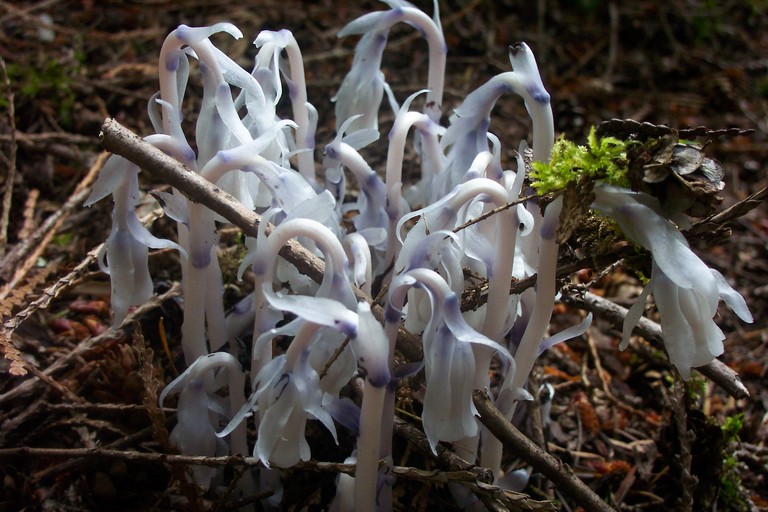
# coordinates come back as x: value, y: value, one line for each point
x: 112, y: 175
x: 731, y: 297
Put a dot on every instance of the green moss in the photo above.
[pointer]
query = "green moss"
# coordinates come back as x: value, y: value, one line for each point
x: 732, y: 426
x: 732, y: 493
x: 50, y: 80
x: 603, y: 159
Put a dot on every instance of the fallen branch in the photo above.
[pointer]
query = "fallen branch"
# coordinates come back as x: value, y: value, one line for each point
x: 510, y: 500
x: 123, y: 142
x: 546, y: 464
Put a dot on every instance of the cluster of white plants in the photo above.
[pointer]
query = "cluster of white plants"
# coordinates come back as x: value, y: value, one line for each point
x: 403, y: 236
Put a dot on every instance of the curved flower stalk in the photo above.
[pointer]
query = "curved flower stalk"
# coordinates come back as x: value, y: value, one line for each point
x: 287, y: 389
x: 496, y: 258
x: 335, y: 282
x: 686, y: 291
x: 127, y: 248
x: 396, y: 206
x: 372, y: 349
x: 217, y: 123
x: 203, y: 280
x: 376, y: 26
x: 444, y: 215
x: 171, y: 56
x: 199, y: 410
x: 528, y: 348
x: 467, y: 134
x: 304, y: 113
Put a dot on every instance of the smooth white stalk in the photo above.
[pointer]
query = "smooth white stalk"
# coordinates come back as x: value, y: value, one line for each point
x: 372, y: 414
x: 397, y: 137
x: 437, y: 56
x: 537, y: 325
x: 297, y: 91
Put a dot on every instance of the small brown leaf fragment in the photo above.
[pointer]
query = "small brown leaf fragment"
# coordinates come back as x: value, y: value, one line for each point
x: 587, y: 414
x: 90, y: 307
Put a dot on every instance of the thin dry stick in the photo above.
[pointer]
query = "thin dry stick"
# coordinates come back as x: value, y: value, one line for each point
x: 688, y: 481
x: 64, y: 361
x: 515, y: 501
x: 548, y: 465
x: 30, y: 205
x: 737, y: 210
x: 31, y: 248
x: 45, y: 137
x: 495, y: 211
x: 53, y: 291
x: 122, y: 141
x: 11, y: 176
x: 716, y: 371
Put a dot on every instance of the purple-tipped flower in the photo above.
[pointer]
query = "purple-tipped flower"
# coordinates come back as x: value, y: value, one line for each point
x: 199, y: 409
x: 127, y: 247
x: 687, y: 292
x: 363, y: 87
x: 449, y: 414
x: 468, y: 133
x: 291, y: 396
x: 375, y: 27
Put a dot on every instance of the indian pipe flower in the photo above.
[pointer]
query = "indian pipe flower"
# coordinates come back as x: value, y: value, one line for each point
x: 687, y: 292
x: 199, y: 410
x: 363, y: 87
x: 126, y: 251
x: 449, y: 362
x: 467, y: 134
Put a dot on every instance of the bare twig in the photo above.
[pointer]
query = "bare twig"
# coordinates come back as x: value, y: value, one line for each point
x: 53, y: 291
x: 716, y: 371
x: 495, y: 211
x: 30, y: 249
x: 32, y: 138
x: 10, y: 177
x: 64, y: 361
x: 688, y: 481
x: 543, y: 462
x: 510, y: 500
x: 123, y: 142
x: 737, y: 210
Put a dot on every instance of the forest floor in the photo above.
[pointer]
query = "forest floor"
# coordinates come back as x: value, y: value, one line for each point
x: 70, y: 64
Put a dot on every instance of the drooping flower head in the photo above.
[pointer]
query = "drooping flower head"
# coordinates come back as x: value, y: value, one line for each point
x: 687, y: 292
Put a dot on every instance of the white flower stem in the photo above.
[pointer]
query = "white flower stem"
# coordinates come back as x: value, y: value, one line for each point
x: 368, y: 445
x: 537, y: 325
x: 298, y: 93
x: 265, y: 262
x: 437, y: 57
x: 394, y: 176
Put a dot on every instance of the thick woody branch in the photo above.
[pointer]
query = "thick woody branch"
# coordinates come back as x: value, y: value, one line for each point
x: 123, y: 142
